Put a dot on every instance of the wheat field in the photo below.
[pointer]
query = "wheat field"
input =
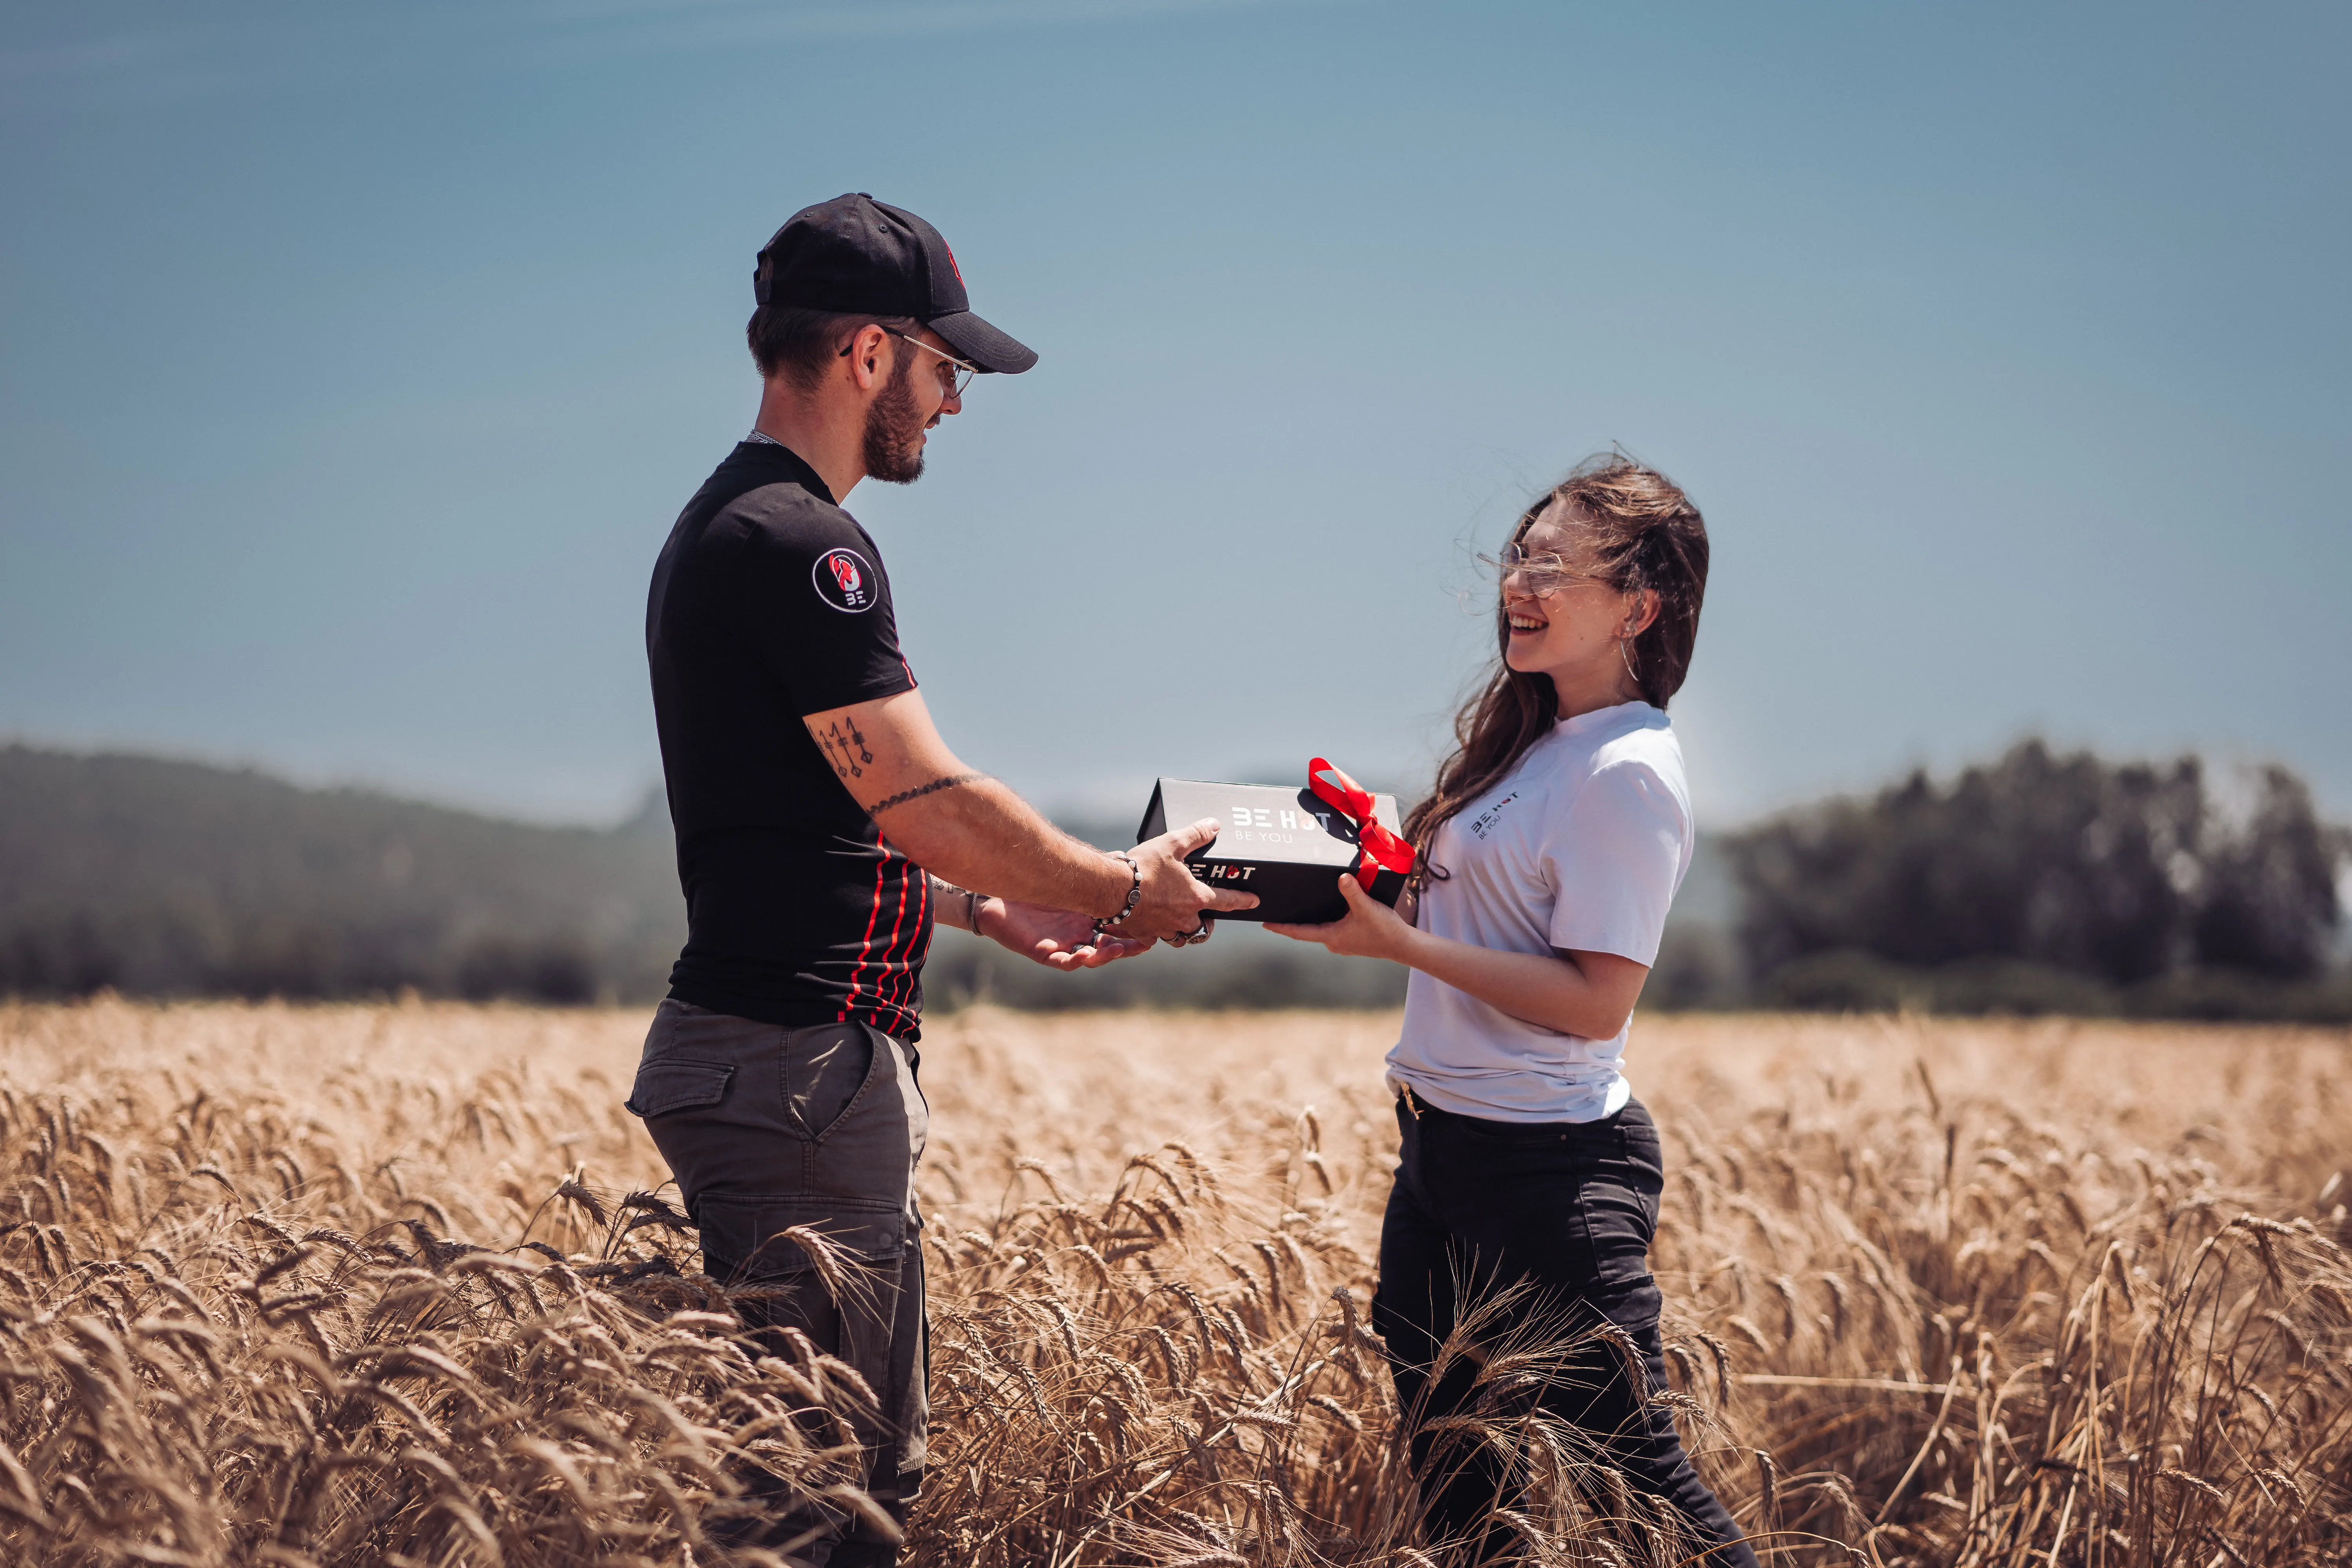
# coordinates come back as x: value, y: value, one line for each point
x: 399, y: 1284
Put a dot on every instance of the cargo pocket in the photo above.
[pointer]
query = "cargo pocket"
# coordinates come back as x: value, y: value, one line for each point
x: 669, y: 1084
x: 744, y: 1232
x: 827, y: 1069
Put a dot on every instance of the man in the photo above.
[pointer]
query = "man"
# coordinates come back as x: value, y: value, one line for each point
x: 813, y: 798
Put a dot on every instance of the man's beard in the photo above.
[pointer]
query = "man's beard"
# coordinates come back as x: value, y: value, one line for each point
x: 894, y: 428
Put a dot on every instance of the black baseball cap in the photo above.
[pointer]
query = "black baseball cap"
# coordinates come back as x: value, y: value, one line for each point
x: 861, y: 257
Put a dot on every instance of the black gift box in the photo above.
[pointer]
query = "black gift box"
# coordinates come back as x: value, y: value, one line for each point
x: 1284, y: 845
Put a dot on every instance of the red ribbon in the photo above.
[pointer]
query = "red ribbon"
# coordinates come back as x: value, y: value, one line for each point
x: 1380, y: 850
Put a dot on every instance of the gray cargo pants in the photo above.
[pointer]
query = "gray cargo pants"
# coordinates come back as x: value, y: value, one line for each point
x: 765, y: 1128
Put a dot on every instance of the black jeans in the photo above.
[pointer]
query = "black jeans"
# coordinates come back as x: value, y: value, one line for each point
x: 766, y: 1128
x: 1569, y: 1209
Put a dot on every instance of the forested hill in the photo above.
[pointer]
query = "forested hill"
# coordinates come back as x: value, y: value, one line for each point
x: 170, y: 879
x: 173, y: 878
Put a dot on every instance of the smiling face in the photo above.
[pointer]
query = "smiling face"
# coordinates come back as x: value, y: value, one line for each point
x: 1567, y: 623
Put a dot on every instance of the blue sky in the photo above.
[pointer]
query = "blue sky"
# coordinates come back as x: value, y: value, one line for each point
x: 354, y: 363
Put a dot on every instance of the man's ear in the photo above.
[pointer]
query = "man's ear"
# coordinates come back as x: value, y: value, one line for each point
x: 868, y: 357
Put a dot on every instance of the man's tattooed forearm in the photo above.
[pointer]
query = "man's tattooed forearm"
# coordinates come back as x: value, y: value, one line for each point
x: 964, y: 903
x: 903, y: 796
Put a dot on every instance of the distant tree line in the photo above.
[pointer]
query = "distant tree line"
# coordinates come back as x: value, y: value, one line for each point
x: 2038, y: 883
x: 2042, y: 882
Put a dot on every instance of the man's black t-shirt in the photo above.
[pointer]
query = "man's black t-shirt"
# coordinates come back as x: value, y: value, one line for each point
x: 770, y: 602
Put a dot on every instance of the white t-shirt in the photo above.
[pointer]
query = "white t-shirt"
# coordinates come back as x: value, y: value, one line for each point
x: 1580, y: 846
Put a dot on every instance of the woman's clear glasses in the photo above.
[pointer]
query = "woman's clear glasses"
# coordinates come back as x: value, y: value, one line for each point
x: 1541, y: 573
x: 954, y: 376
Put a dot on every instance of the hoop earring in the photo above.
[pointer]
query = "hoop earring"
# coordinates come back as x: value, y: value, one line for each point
x: 1625, y: 652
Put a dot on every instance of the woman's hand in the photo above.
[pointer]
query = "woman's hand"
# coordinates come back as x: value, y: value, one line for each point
x: 1590, y: 995
x: 1054, y: 938
x: 1369, y: 930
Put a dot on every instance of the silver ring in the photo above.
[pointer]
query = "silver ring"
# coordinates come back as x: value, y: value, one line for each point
x: 1193, y: 938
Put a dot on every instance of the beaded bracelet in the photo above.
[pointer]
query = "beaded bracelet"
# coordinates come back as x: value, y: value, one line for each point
x: 1134, y: 892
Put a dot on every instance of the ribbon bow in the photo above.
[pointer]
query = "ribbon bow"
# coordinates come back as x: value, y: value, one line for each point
x: 1382, y: 850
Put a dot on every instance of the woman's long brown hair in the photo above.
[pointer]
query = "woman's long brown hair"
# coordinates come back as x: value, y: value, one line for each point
x: 1645, y: 536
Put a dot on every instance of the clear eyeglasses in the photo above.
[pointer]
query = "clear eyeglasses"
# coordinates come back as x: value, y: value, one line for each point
x: 954, y: 376
x: 1541, y: 573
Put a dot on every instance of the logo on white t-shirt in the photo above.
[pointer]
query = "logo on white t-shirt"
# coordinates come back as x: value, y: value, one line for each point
x: 1484, y: 823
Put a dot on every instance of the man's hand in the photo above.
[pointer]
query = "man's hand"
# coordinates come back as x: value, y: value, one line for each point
x: 1174, y: 901
x: 1054, y: 938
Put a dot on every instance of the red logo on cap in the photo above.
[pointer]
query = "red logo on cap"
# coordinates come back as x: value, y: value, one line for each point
x: 951, y: 260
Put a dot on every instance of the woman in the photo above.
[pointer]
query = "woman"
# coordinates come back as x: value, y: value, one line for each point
x: 1550, y: 848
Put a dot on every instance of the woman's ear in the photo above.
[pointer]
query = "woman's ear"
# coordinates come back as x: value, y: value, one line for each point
x: 1644, y: 613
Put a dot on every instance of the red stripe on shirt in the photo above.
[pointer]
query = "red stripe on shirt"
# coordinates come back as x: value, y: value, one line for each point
x: 872, y: 915
x: 903, y: 1001
x: 897, y: 927
x: 915, y: 934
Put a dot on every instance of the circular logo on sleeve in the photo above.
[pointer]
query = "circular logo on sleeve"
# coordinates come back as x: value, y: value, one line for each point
x: 844, y: 579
